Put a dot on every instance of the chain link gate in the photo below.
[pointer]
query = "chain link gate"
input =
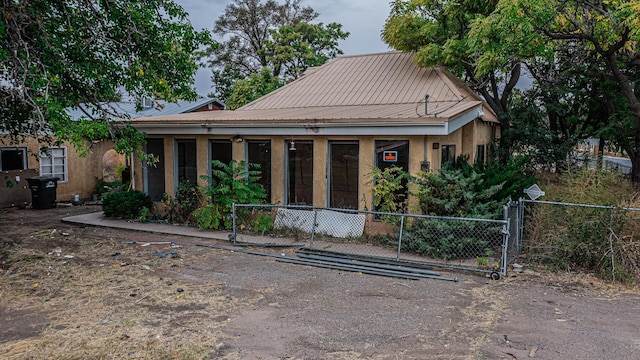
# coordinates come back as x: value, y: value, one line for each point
x: 478, y: 245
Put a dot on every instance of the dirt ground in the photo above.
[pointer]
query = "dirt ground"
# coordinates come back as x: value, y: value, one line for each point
x: 81, y: 292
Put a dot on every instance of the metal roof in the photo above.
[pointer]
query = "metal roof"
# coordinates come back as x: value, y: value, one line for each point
x: 127, y: 109
x: 386, y: 87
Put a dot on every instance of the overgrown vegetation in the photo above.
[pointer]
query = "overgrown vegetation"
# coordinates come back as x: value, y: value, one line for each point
x: 179, y: 209
x: 125, y: 204
x: 603, y: 240
x: 457, y: 190
x: 236, y: 182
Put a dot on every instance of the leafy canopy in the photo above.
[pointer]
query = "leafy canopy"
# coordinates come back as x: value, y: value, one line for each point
x: 256, y: 35
x: 58, y: 54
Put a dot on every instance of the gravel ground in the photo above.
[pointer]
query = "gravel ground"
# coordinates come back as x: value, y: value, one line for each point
x: 285, y: 311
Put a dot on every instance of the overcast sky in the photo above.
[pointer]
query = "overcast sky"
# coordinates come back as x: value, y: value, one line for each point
x: 363, y: 19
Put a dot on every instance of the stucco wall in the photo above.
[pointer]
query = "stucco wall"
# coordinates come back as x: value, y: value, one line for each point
x: 421, y: 150
x: 82, y: 171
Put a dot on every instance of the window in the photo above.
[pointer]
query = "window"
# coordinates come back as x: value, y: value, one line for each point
x: 259, y: 152
x: 391, y: 153
x: 300, y: 173
x: 154, y: 173
x: 186, y: 162
x: 448, y: 154
x: 343, y: 174
x: 53, y: 162
x: 480, y: 154
x: 14, y: 158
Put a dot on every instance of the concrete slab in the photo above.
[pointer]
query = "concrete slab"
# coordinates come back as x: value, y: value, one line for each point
x: 98, y: 219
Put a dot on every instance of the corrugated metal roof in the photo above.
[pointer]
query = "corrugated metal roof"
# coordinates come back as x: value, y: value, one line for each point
x: 160, y: 108
x: 384, y: 86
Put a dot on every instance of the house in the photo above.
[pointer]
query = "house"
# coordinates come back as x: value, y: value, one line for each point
x: 318, y: 137
x: 77, y: 174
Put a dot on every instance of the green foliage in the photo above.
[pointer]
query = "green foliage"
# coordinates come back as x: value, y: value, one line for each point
x: 256, y: 85
x: 389, y: 189
x: 448, y: 240
x: 180, y: 208
x: 102, y: 187
x: 125, y: 204
x: 294, y: 48
x: 237, y: 183
x: 257, y: 35
x: 56, y: 55
x: 572, y: 238
x: 459, y: 193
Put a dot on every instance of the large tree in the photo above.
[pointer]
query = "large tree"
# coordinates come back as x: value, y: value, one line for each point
x: 608, y: 31
x: 256, y: 35
x: 58, y: 54
x: 439, y: 32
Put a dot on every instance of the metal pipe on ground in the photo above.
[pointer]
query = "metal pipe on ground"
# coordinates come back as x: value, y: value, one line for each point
x: 333, y: 266
x: 368, y: 263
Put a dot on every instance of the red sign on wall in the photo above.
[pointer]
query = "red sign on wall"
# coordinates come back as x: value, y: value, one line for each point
x: 390, y: 156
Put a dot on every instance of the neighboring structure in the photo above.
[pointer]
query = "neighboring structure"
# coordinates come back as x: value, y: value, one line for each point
x: 318, y: 137
x: 77, y: 174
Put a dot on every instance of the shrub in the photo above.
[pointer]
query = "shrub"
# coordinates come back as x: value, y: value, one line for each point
x: 125, y: 204
x: 179, y: 209
x: 448, y: 239
x: 599, y: 240
x: 236, y: 183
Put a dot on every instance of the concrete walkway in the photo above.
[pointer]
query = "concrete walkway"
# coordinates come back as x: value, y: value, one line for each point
x: 98, y: 219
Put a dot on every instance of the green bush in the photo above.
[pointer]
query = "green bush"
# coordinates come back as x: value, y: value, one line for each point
x: 235, y: 183
x: 188, y: 198
x: 125, y: 204
x: 448, y: 239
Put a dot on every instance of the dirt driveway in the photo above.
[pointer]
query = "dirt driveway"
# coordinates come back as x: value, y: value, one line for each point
x: 75, y: 292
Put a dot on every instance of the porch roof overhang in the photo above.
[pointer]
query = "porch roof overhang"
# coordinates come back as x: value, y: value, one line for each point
x: 393, y: 119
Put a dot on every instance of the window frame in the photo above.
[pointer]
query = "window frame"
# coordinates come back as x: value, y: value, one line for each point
x: 62, y: 178
x: 25, y: 162
x: 330, y: 173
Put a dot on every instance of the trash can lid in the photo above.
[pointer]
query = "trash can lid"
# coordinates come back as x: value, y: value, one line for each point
x: 44, y: 178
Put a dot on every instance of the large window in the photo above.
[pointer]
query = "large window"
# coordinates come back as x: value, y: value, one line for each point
x: 343, y: 174
x: 448, y: 154
x: 186, y: 161
x: 259, y: 152
x: 53, y: 162
x: 154, y: 173
x: 391, y: 153
x: 480, y: 154
x: 300, y: 173
x: 13, y: 158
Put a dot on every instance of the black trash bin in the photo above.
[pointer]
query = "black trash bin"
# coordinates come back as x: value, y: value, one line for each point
x: 43, y: 191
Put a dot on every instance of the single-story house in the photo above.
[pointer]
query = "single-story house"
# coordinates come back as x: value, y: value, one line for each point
x: 318, y: 137
x: 77, y: 174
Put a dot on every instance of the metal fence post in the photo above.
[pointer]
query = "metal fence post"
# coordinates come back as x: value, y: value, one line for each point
x: 613, y: 264
x: 233, y: 218
x: 505, y: 246
x: 313, y: 228
x: 400, y: 236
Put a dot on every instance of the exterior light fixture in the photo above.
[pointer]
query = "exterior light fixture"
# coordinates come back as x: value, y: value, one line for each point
x: 238, y: 139
x: 292, y: 145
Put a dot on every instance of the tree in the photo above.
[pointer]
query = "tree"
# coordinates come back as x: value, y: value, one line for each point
x: 609, y: 31
x: 256, y: 35
x: 440, y: 33
x: 256, y: 85
x: 295, y: 48
x: 59, y: 54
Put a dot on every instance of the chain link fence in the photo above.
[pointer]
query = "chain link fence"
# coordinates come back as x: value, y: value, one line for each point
x: 602, y: 239
x: 478, y: 245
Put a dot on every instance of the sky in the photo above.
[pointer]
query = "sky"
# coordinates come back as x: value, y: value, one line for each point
x: 363, y: 19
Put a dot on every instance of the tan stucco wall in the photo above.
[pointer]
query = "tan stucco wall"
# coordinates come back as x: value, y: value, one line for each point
x: 82, y: 171
x: 420, y: 148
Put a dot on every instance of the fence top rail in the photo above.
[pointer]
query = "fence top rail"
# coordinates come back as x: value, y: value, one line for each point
x: 579, y: 205
x: 351, y: 211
